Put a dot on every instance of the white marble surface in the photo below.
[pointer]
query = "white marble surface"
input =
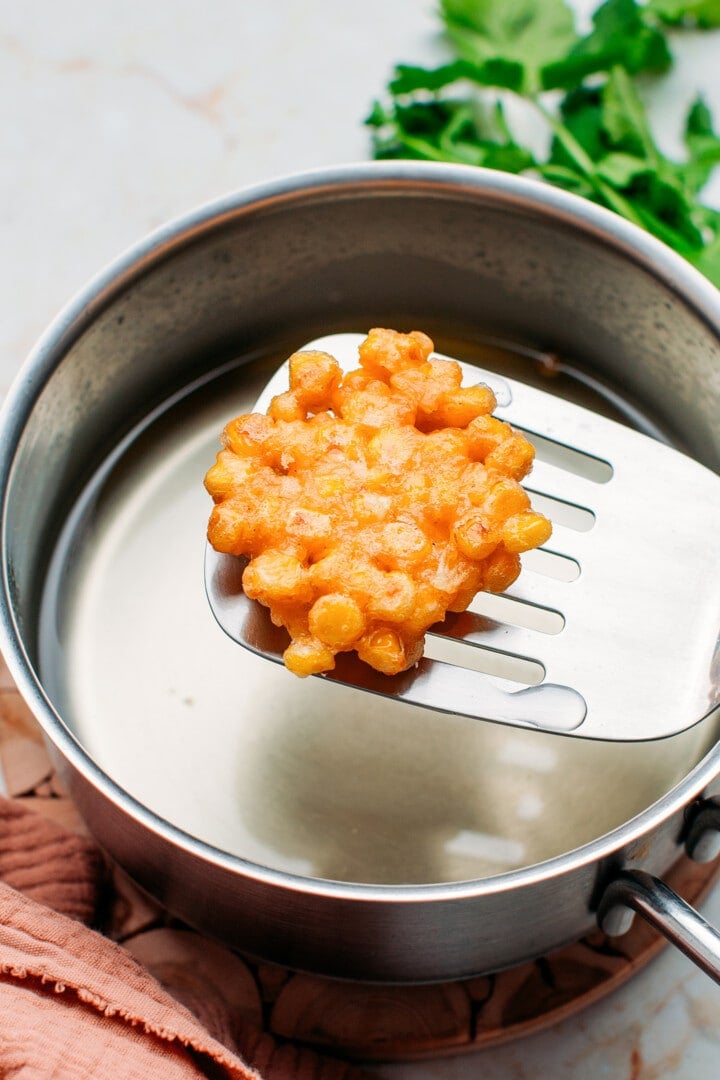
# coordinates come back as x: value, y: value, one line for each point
x: 116, y: 115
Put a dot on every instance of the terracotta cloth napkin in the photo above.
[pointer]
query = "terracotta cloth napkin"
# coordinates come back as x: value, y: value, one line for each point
x: 76, y: 1006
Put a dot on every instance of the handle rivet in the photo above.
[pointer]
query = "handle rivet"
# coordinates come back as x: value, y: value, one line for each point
x: 617, y: 920
x: 702, y: 842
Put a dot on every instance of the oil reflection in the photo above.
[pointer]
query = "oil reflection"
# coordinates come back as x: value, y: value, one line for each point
x: 368, y: 790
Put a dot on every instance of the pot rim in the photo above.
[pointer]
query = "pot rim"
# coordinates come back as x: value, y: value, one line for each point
x: 532, y: 195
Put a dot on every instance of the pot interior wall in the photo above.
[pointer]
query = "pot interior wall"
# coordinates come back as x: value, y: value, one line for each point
x: 238, y: 753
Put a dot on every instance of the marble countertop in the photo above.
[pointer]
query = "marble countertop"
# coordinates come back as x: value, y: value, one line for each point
x: 116, y: 116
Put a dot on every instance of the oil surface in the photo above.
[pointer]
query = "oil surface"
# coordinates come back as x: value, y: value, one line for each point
x: 300, y: 775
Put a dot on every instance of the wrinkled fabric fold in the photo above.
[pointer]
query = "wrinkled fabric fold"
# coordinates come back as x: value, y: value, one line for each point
x: 48, y: 863
x: 74, y: 1005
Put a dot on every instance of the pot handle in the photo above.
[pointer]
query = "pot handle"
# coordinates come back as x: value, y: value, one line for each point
x: 637, y: 891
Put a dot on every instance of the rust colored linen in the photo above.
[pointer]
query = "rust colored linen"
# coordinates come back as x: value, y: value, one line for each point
x: 76, y: 1006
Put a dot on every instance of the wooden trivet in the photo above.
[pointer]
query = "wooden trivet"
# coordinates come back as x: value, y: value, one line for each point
x: 351, y: 1020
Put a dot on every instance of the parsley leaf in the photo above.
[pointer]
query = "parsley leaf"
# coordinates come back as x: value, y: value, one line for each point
x: 458, y: 131
x: 601, y: 144
x: 707, y: 260
x: 703, y: 147
x: 624, y: 118
x: 529, y: 33
x: 504, y: 74
x: 705, y: 14
x: 621, y: 35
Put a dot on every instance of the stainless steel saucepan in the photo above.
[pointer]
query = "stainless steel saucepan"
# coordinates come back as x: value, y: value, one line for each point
x: 300, y: 821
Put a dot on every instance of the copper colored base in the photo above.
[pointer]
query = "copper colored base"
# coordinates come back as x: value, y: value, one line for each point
x: 351, y: 1020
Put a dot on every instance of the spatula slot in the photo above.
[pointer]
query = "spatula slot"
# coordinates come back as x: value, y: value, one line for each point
x: 569, y: 458
x: 571, y: 515
x: 551, y: 564
x: 506, y: 609
x: 473, y: 657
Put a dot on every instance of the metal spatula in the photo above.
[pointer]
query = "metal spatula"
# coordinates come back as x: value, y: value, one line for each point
x: 609, y: 633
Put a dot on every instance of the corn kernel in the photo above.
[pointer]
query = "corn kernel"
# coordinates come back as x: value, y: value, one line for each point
x: 336, y: 620
x: 276, y: 576
x: 391, y: 595
x: 474, y: 535
x: 246, y: 435
x: 501, y: 569
x: 513, y: 457
x: 505, y: 498
x: 385, y: 351
x: 307, y: 656
x: 402, y: 544
x: 462, y: 406
x: 525, y: 531
x: 286, y: 407
x: 314, y: 377
x: 386, y: 651
x: 485, y: 434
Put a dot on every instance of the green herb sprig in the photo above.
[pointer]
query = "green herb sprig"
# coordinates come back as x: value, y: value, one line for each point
x: 585, y: 89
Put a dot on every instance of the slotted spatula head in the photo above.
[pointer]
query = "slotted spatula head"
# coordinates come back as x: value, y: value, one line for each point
x: 611, y: 630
